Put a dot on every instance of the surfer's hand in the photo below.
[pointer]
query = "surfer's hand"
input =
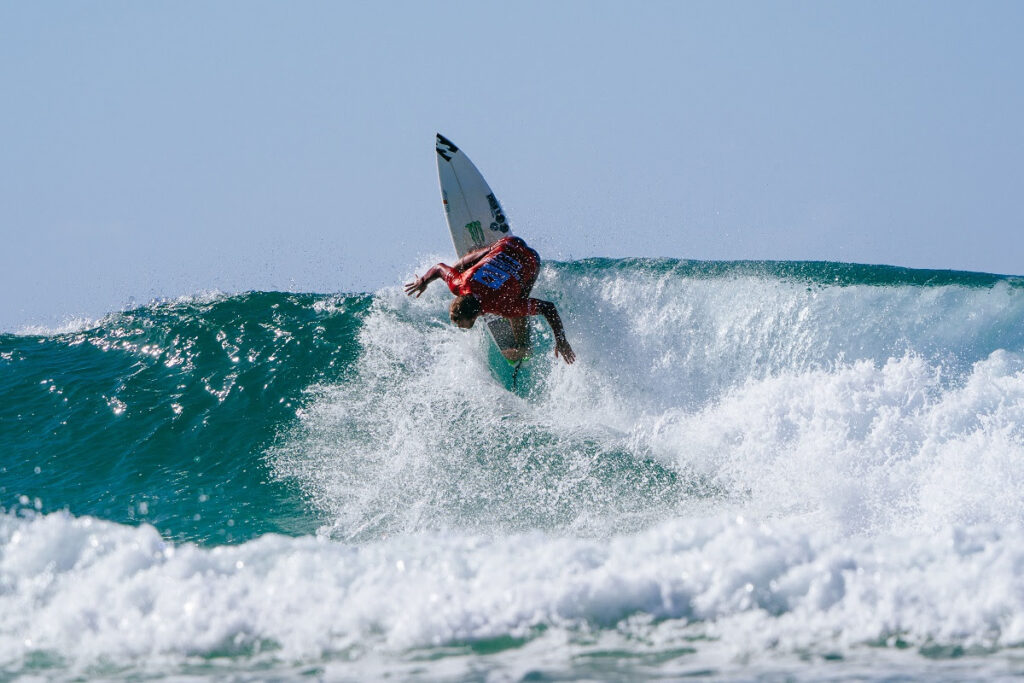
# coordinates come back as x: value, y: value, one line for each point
x: 563, y: 349
x: 421, y: 283
x: 417, y: 287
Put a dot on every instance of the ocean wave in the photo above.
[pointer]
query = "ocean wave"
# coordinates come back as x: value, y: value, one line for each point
x: 754, y: 461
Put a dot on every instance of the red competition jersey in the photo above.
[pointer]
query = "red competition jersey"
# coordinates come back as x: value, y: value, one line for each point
x: 501, y: 280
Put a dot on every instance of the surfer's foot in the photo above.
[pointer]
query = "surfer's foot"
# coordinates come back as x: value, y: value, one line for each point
x: 516, y: 355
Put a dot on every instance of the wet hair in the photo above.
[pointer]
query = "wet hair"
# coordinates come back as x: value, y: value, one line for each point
x: 465, y: 308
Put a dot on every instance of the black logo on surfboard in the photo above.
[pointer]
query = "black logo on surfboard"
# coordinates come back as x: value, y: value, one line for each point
x: 497, y: 214
x: 445, y: 147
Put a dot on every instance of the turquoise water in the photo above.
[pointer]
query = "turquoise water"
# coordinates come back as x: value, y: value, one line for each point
x: 161, y: 414
x: 755, y: 468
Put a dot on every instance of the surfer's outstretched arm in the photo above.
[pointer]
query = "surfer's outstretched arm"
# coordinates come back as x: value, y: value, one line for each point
x: 470, y: 259
x: 550, y: 313
x: 420, y: 284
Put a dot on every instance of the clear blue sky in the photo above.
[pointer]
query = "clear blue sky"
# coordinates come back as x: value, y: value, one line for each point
x: 157, y: 149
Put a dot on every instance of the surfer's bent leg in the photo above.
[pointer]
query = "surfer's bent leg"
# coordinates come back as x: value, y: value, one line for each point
x: 521, y: 334
x: 521, y: 326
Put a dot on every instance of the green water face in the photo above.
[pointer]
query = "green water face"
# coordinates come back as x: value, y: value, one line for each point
x: 160, y: 414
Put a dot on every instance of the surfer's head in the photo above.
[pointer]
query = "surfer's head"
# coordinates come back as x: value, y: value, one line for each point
x: 464, y: 311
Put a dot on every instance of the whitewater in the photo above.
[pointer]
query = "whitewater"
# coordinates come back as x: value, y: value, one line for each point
x: 753, y: 470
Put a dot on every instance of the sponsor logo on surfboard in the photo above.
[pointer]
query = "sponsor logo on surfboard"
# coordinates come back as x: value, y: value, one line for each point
x: 445, y: 147
x: 444, y: 200
x: 476, y: 232
x: 497, y: 214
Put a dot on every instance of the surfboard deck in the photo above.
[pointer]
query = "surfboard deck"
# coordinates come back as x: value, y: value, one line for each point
x: 475, y: 219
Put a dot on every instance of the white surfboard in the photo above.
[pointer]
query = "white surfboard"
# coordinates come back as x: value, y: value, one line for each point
x: 475, y: 217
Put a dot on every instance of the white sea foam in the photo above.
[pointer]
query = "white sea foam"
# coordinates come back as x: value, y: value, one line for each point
x: 869, y: 408
x: 870, y: 438
x: 96, y: 592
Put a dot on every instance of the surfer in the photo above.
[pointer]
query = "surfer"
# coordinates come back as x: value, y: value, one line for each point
x: 498, y: 279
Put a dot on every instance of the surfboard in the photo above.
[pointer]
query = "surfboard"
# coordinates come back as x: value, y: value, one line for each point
x: 475, y: 218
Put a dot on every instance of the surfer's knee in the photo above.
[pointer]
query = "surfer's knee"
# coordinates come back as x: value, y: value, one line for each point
x: 516, y: 354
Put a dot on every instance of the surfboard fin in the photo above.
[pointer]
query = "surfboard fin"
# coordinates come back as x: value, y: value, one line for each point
x: 515, y: 374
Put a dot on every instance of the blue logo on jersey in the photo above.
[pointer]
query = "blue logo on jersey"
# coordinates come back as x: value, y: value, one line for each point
x: 495, y: 271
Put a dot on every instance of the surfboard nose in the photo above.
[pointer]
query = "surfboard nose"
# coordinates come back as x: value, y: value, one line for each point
x: 445, y: 147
